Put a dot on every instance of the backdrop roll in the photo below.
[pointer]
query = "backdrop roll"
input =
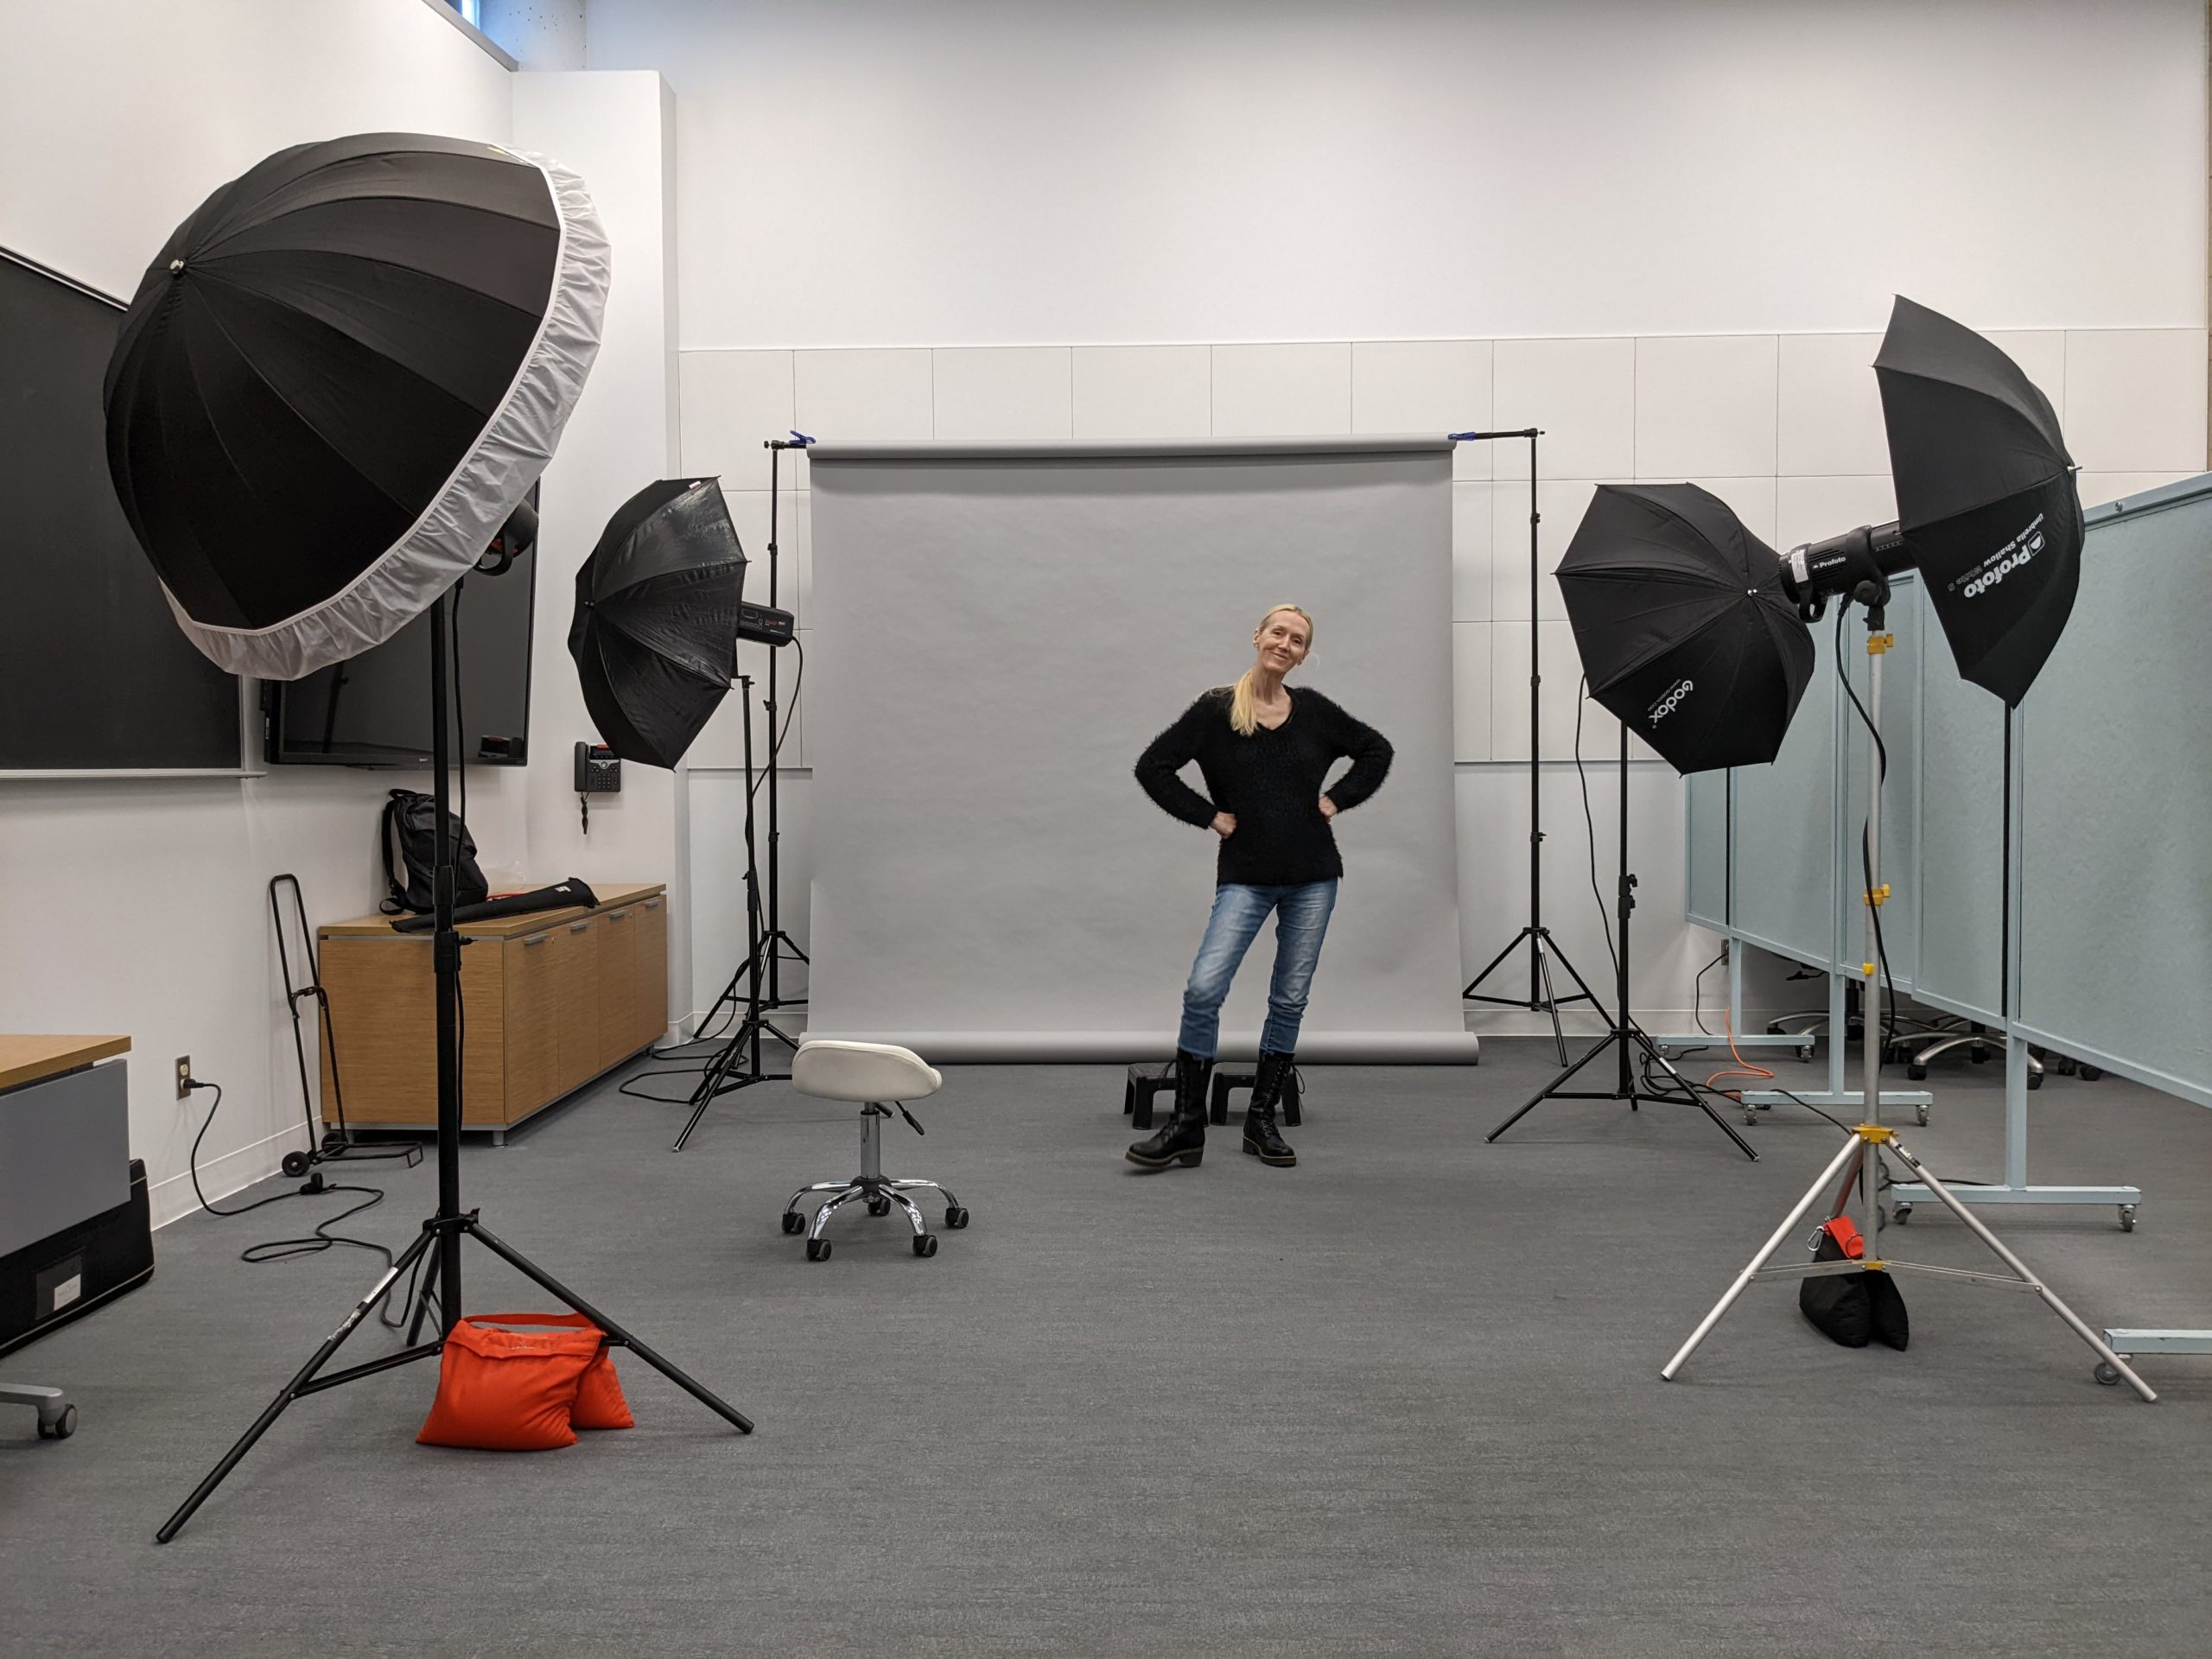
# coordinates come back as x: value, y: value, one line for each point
x: 997, y: 632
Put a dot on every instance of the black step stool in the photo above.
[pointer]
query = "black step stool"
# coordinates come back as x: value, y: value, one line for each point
x: 1147, y: 1079
x: 1225, y: 1081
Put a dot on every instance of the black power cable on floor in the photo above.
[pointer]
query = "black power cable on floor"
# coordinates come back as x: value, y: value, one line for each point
x: 278, y: 1250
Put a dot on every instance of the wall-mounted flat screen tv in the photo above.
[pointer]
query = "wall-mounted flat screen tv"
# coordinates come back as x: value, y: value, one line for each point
x: 374, y: 710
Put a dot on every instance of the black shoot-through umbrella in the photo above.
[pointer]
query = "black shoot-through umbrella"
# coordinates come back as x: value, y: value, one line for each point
x: 655, y: 631
x: 1682, y: 625
x: 1986, y: 500
x: 338, y: 379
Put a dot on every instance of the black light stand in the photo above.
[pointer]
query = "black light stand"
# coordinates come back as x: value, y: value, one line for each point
x: 737, y: 1064
x: 446, y: 1228
x: 1624, y: 1033
x: 776, y: 942
x: 1542, y: 997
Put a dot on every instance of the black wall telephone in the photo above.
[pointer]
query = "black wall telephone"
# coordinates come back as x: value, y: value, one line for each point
x: 598, y: 772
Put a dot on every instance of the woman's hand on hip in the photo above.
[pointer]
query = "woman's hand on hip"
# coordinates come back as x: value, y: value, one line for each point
x: 1328, y: 807
x: 1224, y: 825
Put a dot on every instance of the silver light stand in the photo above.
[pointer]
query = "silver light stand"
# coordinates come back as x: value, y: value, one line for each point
x: 1860, y: 1159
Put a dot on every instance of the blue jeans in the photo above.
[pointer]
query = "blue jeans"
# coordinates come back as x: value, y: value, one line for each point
x: 1301, y: 922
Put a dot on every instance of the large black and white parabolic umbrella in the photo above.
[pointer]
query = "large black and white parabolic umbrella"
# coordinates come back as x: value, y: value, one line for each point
x: 338, y: 379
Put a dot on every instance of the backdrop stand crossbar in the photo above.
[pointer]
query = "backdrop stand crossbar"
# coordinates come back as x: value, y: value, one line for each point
x: 445, y: 1229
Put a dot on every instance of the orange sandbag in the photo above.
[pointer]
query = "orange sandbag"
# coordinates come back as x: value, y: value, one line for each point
x: 509, y: 1390
x: 599, y: 1403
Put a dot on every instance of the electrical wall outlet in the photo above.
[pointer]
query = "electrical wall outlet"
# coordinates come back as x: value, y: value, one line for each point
x: 183, y: 1075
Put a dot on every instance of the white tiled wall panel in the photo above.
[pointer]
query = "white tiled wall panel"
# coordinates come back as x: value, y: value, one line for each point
x: 1471, y: 735
x: 1829, y: 407
x: 1559, y: 506
x: 1143, y: 392
x: 864, y: 394
x: 1813, y: 509
x: 1582, y: 392
x: 1705, y: 405
x: 1426, y: 385
x: 1281, y: 391
x: 730, y: 403
x: 1011, y: 392
x: 1472, y: 545
x: 2135, y: 399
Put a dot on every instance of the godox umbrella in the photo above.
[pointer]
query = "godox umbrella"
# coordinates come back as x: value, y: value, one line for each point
x: 1986, y: 500
x: 337, y: 380
x: 655, y: 624
x: 1682, y: 625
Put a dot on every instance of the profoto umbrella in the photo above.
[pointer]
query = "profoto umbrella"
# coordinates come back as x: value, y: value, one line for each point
x: 1986, y: 500
x: 1682, y: 625
x: 339, y: 377
x: 656, y: 626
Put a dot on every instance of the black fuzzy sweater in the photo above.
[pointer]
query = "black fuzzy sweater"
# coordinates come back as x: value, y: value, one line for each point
x: 1270, y: 783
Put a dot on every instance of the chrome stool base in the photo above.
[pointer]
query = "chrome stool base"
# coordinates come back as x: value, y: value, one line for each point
x: 871, y: 1187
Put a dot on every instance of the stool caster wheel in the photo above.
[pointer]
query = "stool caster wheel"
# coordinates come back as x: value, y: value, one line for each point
x: 818, y: 1250
x: 2035, y: 1079
x: 926, y: 1245
x: 878, y: 1206
x: 61, y: 1427
x: 1918, y: 1072
x: 1902, y: 1214
x: 2091, y: 1073
x: 2108, y: 1373
x: 2126, y: 1218
x: 955, y: 1218
x: 793, y: 1222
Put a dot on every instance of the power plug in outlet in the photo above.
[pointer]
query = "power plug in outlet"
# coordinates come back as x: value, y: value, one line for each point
x: 183, y: 1075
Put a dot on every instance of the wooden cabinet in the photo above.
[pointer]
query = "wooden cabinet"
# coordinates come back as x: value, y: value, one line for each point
x: 549, y: 1001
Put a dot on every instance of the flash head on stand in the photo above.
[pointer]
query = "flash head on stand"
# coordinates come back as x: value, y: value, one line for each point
x: 1856, y: 565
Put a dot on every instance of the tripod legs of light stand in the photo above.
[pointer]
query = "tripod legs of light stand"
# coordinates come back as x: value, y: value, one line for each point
x: 1861, y: 1155
x: 443, y: 1231
x: 1542, y: 997
x: 742, y: 1050
x: 1624, y: 1031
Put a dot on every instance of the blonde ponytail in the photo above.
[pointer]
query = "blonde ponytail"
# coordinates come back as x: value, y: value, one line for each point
x: 1243, y: 719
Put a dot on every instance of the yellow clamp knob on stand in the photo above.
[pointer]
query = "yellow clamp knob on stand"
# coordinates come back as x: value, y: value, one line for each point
x: 1875, y: 1131
x: 1876, y: 895
x: 1868, y: 968
x: 1878, y: 643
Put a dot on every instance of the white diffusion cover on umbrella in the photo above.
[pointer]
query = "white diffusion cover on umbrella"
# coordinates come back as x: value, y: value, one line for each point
x: 491, y: 479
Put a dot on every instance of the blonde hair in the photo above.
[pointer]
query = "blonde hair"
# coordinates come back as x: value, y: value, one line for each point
x: 1243, y: 719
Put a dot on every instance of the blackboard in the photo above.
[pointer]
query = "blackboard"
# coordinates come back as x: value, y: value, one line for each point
x: 94, y: 673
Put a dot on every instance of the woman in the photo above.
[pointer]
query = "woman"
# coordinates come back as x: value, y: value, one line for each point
x: 1264, y: 750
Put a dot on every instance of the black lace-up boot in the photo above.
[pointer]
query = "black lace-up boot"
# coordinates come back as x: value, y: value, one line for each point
x: 1261, y: 1139
x: 1183, y: 1140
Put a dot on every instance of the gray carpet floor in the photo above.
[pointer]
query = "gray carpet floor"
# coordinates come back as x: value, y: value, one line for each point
x: 1403, y: 1399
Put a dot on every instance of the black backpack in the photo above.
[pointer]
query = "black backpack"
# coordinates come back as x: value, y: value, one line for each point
x: 407, y: 816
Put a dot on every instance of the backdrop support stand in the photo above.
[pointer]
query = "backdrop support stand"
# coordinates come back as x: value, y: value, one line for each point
x: 444, y: 1230
x: 1624, y: 1033
x: 1543, y: 996
x: 737, y: 1064
x: 1859, y: 1160
x: 779, y: 944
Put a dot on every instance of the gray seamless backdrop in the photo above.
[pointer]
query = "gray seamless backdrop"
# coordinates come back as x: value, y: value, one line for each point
x: 998, y: 629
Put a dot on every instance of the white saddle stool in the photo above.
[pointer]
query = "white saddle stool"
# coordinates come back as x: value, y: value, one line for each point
x: 871, y: 1073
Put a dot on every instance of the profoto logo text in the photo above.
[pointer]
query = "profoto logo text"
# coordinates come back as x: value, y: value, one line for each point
x: 2007, y: 559
x: 1672, y: 701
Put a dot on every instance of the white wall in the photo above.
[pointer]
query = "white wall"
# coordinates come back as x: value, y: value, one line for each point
x: 876, y: 172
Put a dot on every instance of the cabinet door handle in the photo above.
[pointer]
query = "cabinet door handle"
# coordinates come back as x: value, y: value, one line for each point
x: 579, y: 927
x: 617, y: 915
x: 538, y: 938
x: 652, y: 903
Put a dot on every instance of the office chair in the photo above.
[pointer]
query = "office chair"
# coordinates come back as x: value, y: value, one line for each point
x: 870, y: 1073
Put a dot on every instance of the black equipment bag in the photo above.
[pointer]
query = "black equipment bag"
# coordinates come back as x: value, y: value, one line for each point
x: 407, y: 819
x: 1851, y: 1309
